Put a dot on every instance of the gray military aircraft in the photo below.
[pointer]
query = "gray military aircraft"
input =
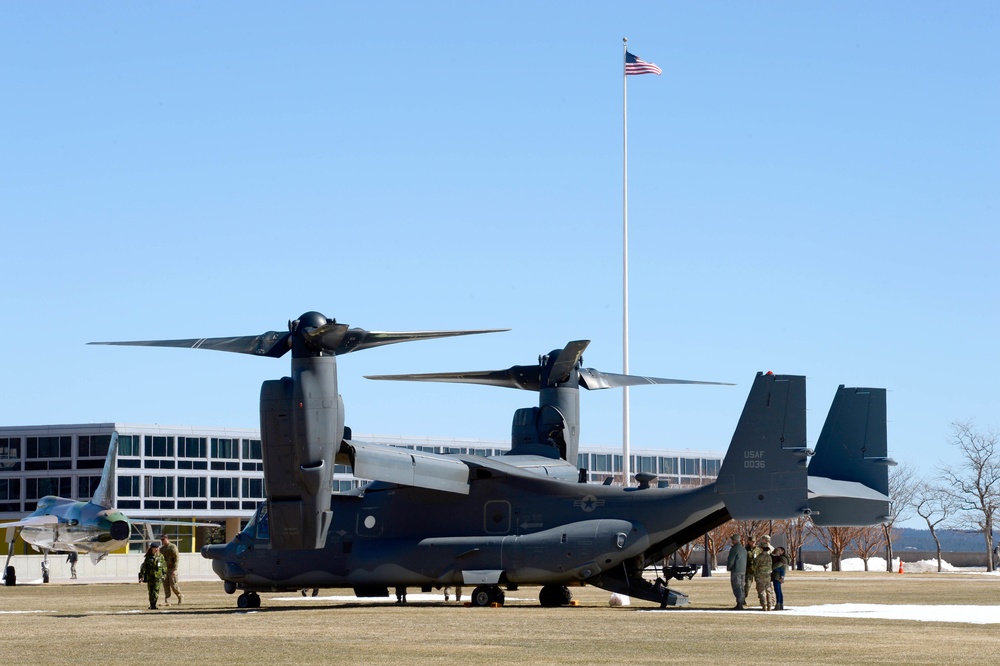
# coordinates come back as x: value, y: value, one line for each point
x: 64, y: 525
x: 521, y: 519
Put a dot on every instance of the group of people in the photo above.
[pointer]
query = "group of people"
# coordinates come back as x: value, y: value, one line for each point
x: 757, y: 564
x: 159, y: 569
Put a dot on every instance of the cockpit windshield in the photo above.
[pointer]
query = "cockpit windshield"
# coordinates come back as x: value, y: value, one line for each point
x: 258, y: 526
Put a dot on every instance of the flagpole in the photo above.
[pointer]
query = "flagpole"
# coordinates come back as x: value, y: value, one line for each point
x: 626, y: 471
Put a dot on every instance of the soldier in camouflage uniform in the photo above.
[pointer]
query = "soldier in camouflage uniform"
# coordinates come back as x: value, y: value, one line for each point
x: 171, y: 557
x: 753, y: 550
x: 762, y: 569
x: 152, y: 572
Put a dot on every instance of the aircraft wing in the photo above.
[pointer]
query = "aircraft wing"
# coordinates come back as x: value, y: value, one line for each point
x: 180, y: 523
x: 406, y: 467
x: 32, y: 521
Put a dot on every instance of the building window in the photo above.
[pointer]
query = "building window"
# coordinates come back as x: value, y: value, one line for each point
x: 710, y: 467
x: 159, y: 447
x: 10, y: 453
x: 689, y: 466
x: 254, y: 488
x: 159, y: 486
x: 191, y: 486
x: 128, y: 445
x: 50, y: 447
x: 128, y: 486
x: 94, y: 446
x: 225, y: 448
x: 668, y: 465
x: 10, y: 494
x: 87, y: 486
x: 601, y: 462
x: 251, y: 450
x: 39, y: 488
x: 645, y: 464
x: 191, y: 447
x: 224, y: 487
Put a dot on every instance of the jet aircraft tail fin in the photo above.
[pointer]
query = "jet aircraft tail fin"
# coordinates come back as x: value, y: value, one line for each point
x: 763, y: 475
x: 105, y: 494
x: 849, y: 475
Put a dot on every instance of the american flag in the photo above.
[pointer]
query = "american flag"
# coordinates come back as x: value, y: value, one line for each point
x: 634, y: 66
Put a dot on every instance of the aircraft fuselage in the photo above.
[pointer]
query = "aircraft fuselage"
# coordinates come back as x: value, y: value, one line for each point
x: 513, y: 527
x: 82, y: 527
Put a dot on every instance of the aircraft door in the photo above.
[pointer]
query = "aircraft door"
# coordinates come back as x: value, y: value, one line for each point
x: 496, y: 517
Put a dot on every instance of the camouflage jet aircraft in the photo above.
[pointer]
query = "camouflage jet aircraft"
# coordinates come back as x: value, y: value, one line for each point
x: 64, y: 525
x: 523, y: 518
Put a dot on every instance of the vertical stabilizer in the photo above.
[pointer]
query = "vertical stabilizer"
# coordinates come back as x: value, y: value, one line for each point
x: 105, y: 493
x: 849, y: 475
x: 764, y: 473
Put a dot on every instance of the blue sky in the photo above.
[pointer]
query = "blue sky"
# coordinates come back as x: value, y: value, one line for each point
x: 812, y: 190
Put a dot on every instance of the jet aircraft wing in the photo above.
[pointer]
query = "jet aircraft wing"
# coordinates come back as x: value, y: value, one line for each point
x: 179, y: 523
x: 406, y: 467
x: 31, y: 521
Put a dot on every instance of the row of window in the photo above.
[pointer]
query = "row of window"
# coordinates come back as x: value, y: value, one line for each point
x: 669, y: 465
x: 56, y: 453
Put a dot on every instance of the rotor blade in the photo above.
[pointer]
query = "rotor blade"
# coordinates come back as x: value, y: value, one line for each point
x: 357, y: 338
x: 526, y: 377
x: 592, y: 380
x: 272, y: 343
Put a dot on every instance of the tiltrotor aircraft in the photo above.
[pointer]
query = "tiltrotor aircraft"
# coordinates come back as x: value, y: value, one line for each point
x: 523, y: 518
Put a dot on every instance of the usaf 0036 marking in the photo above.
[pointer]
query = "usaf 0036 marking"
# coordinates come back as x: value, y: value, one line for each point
x: 523, y: 518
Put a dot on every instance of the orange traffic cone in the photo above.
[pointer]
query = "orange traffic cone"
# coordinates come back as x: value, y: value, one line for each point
x: 901, y: 565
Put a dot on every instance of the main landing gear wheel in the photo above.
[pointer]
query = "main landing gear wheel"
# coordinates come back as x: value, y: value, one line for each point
x: 248, y: 600
x: 487, y: 595
x: 555, y: 595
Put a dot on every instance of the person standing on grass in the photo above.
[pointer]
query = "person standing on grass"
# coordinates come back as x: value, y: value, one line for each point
x: 752, y: 551
x: 736, y: 564
x: 171, y: 557
x: 152, y: 572
x: 762, y: 570
x: 72, y: 558
x: 778, y: 563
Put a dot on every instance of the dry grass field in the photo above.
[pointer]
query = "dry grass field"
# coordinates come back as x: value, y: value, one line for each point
x: 105, y: 623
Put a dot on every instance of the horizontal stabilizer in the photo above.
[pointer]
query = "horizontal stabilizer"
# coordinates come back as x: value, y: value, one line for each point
x: 406, y: 467
x: 849, y: 475
x: 763, y: 476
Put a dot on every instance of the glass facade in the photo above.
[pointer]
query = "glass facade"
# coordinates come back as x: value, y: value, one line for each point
x: 184, y: 472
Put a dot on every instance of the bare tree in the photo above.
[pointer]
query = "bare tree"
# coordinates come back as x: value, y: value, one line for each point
x: 936, y: 506
x: 835, y: 540
x: 795, y: 530
x: 753, y: 528
x: 717, y: 540
x: 867, y: 540
x: 684, y: 552
x: 902, y: 484
x: 975, y: 480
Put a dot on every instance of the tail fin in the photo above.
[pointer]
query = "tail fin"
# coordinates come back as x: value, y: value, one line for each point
x: 764, y: 473
x: 105, y: 493
x: 849, y: 475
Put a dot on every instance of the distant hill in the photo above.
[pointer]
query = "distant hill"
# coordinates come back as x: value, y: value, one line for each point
x: 952, y: 541
x: 955, y: 541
